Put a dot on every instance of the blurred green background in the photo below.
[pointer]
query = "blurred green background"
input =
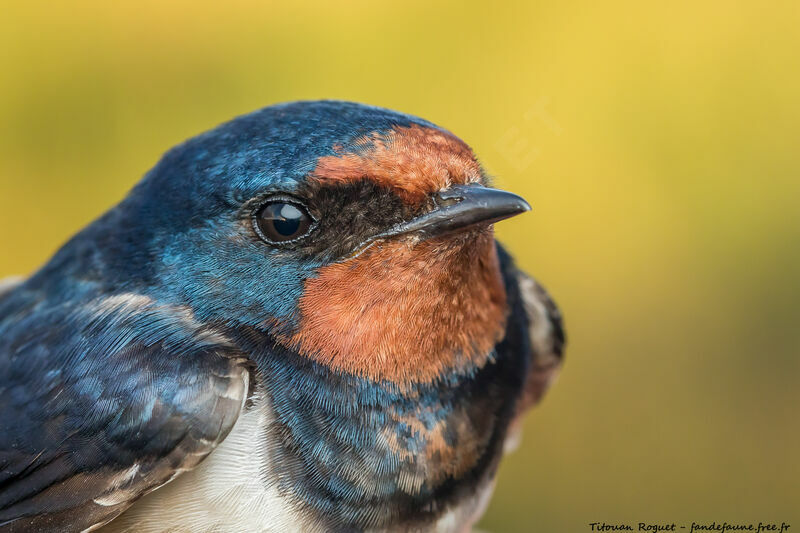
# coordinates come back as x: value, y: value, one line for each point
x: 657, y: 142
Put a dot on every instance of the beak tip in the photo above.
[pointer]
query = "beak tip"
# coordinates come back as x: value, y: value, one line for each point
x: 515, y: 204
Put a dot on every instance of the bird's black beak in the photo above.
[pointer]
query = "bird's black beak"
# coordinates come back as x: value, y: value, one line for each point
x: 461, y: 207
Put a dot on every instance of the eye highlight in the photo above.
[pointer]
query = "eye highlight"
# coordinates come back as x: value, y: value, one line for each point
x: 281, y: 221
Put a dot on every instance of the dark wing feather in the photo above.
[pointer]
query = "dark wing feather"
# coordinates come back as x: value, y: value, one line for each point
x: 103, y: 403
x: 547, y: 337
x: 535, y: 331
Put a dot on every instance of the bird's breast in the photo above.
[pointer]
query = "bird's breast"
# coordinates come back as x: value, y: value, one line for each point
x: 364, y: 455
x: 253, y: 483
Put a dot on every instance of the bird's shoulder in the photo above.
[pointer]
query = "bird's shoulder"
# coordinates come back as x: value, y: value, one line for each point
x: 103, y: 401
x: 9, y: 283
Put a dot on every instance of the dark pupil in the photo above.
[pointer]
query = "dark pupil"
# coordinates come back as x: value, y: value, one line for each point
x: 287, y: 226
x: 282, y: 221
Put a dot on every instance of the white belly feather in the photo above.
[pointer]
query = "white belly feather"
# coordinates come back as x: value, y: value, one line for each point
x: 224, y: 494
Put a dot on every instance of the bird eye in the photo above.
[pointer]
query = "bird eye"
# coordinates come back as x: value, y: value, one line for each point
x: 281, y: 221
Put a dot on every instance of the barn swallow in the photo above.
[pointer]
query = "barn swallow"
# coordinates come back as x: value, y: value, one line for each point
x: 298, y: 321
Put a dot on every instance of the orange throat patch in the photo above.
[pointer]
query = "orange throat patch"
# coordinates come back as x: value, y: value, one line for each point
x: 406, y: 311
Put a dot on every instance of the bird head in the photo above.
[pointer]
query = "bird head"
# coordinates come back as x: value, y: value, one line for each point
x: 359, y: 237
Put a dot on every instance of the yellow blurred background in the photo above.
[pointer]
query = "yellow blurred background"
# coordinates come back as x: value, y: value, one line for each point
x: 657, y: 142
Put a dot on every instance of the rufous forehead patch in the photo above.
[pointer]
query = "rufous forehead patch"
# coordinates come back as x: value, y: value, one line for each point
x: 414, y: 161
